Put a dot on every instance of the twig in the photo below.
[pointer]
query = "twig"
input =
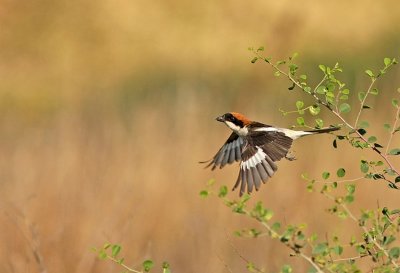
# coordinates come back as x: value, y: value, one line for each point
x: 396, y: 119
x: 350, y: 258
x: 123, y: 265
x: 340, y: 181
x: 224, y: 263
x: 241, y: 256
x: 373, y: 80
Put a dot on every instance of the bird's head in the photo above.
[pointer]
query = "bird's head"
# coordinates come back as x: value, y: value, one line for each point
x: 235, y: 121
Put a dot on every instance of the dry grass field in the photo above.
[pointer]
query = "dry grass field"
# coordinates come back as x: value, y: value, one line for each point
x: 106, y: 107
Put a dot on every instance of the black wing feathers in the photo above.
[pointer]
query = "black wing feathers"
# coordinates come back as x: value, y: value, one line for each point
x: 230, y: 152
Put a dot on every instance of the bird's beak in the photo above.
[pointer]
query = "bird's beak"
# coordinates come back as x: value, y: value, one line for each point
x: 220, y: 119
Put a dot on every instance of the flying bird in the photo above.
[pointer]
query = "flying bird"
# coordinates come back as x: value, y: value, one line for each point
x: 257, y: 147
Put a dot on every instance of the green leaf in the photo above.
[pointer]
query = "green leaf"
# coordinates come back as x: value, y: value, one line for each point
x: 344, y: 108
x: 106, y: 246
x: 276, y: 226
x: 330, y: 94
x: 364, y: 124
x: 166, y: 268
x: 261, y: 48
x: 334, y: 143
x: 341, y: 172
x: 293, y: 68
x: 286, y: 269
x: 388, y: 240
x: 387, y: 126
x: 115, y: 249
x: 295, y: 54
x: 300, y: 121
x: 395, y: 103
x: 325, y: 175
x: 319, y: 122
x: 395, y: 151
x: 372, y: 139
x: 299, y: 104
x: 320, y: 248
x: 379, y: 163
x: 346, y: 91
x: 349, y: 199
x: 364, y: 167
x: 322, y: 67
x: 331, y: 87
x: 102, y: 254
x: 394, y: 253
x: 321, y: 89
x: 303, y: 77
x: 255, y: 59
x: 361, y: 96
x: 369, y: 73
x: 344, y: 97
x: 223, y: 191
x: 147, y: 265
x: 211, y: 182
x: 362, y: 131
x: 277, y: 73
x: 374, y: 91
x: 314, y: 110
x: 351, y: 188
x: 338, y: 250
x: 387, y: 61
x: 204, y: 193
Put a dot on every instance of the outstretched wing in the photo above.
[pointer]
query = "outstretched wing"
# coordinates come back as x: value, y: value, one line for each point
x: 230, y: 152
x: 259, y: 155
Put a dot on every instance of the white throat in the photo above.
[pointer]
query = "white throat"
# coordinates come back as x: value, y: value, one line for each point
x: 241, y: 131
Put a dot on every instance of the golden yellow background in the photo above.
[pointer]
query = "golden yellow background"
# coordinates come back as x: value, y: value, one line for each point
x: 106, y: 107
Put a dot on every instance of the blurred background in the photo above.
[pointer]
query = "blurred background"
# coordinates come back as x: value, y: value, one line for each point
x: 106, y: 107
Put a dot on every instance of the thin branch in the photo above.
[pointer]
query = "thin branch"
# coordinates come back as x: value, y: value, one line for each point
x: 373, y: 80
x: 241, y: 256
x: 123, y: 265
x: 311, y: 262
x: 350, y: 258
x: 224, y: 263
x: 396, y: 119
x: 340, y: 181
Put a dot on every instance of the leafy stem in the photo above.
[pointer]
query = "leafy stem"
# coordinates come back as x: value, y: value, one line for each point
x: 335, y: 111
x: 364, y: 228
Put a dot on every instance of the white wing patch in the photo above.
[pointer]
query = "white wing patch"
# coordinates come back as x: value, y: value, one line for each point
x: 255, y: 170
x: 253, y: 161
x: 290, y: 133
